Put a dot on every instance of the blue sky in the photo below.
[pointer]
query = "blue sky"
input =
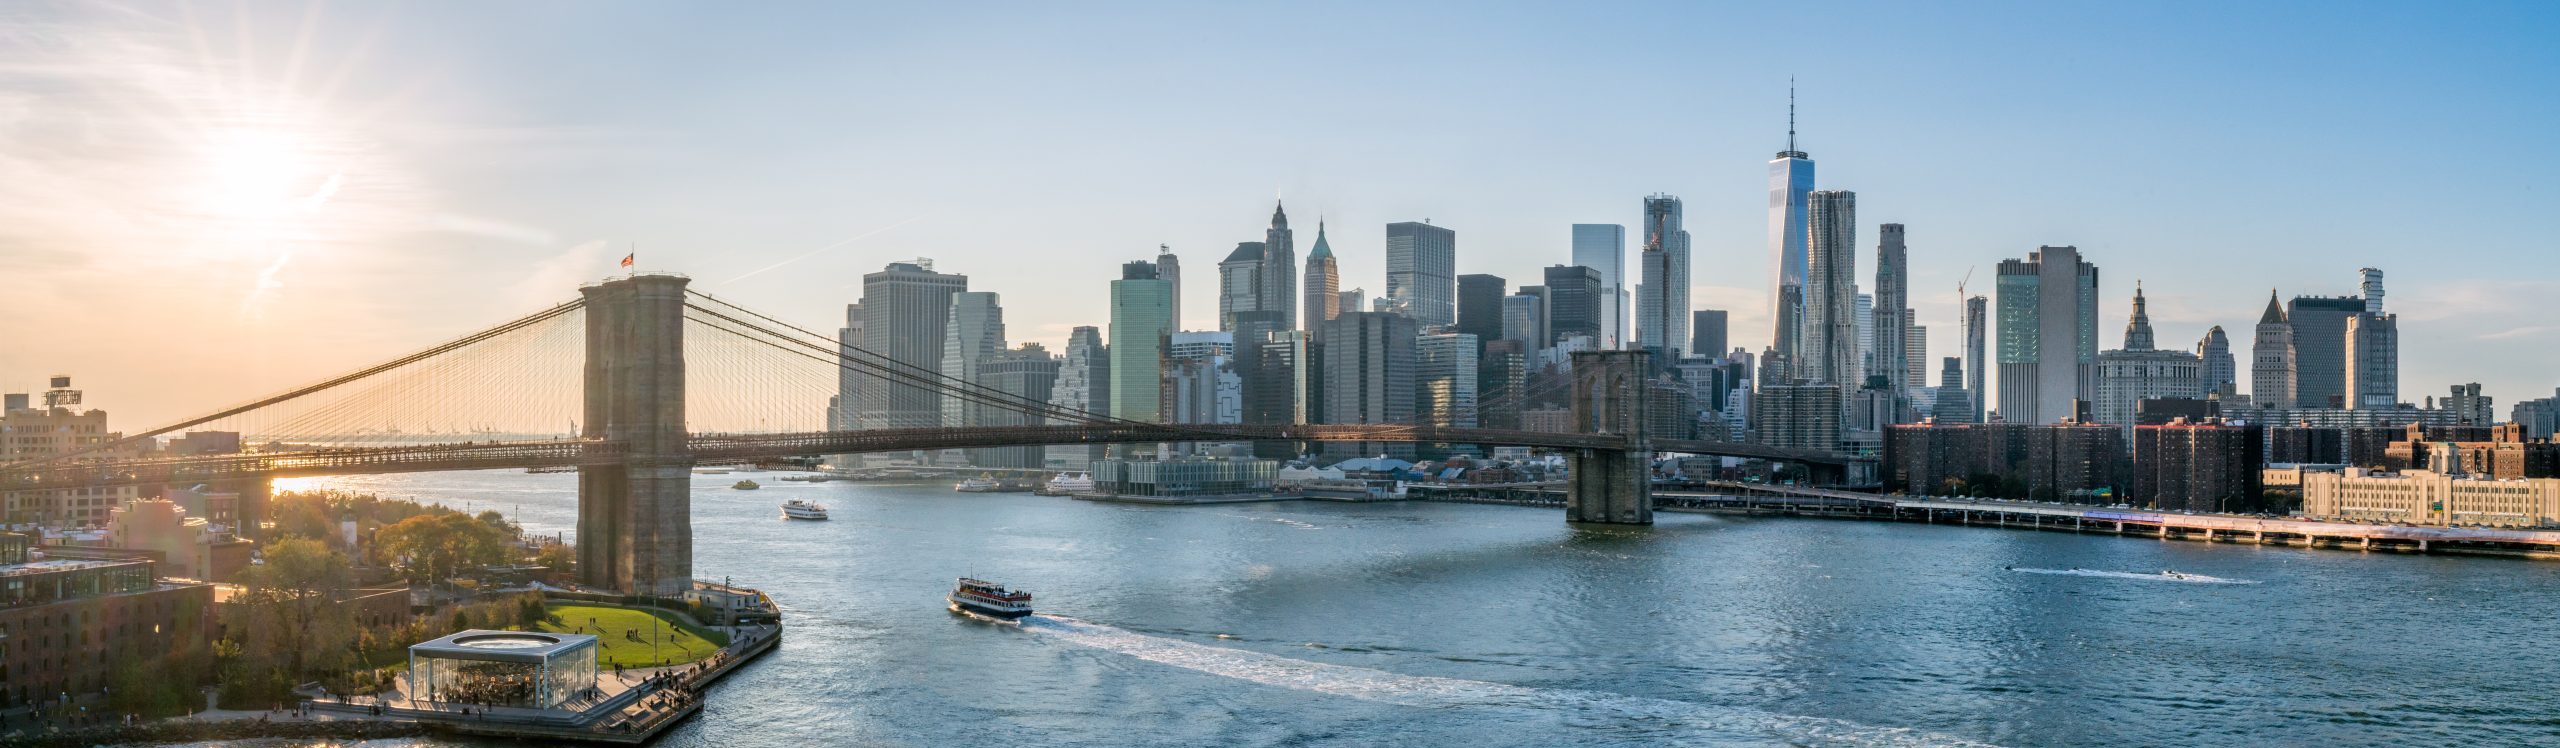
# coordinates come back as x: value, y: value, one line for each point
x: 225, y: 175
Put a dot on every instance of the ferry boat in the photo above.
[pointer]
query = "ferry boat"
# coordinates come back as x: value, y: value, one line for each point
x: 1066, y: 484
x: 984, y: 598
x: 798, y: 509
x: 745, y: 485
x: 982, y: 484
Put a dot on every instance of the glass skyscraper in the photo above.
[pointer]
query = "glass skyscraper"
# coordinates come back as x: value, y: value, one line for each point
x: 1662, y: 297
x: 1790, y: 181
x: 1603, y: 247
x: 1141, y: 318
x: 2048, y: 335
x: 1422, y: 272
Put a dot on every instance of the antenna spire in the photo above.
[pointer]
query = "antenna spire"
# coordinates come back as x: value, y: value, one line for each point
x: 1791, y: 112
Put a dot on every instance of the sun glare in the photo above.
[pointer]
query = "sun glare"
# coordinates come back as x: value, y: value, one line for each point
x: 260, y: 176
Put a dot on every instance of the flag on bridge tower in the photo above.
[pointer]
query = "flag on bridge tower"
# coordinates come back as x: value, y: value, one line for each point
x: 626, y: 259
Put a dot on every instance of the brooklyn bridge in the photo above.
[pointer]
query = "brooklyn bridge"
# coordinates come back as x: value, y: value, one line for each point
x: 637, y: 363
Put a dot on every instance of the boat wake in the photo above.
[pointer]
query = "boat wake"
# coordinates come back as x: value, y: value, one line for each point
x: 2156, y: 576
x: 1689, y: 721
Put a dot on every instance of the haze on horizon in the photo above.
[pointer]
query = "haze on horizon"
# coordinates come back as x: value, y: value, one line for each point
x: 202, y: 203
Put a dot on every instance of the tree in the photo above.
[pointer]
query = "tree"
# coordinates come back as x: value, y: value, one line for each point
x: 293, y: 601
x: 434, y: 547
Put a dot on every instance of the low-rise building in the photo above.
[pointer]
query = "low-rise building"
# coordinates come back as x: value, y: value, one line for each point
x: 188, y: 547
x: 1185, y: 477
x: 2427, y: 497
x: 65, y: 622
x: 2068, y: 461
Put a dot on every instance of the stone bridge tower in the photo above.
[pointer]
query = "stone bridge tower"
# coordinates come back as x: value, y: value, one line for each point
x: 1611, y: 486
x: 635, y: 519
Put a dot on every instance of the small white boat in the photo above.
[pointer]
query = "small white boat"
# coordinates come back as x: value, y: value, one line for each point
x: 798, y: 509
x: 710, y: 471
x: 1066, y: 484
x: 982, y: 484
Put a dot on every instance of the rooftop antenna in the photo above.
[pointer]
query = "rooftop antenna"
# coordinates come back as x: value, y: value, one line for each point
x: 1791, y: 113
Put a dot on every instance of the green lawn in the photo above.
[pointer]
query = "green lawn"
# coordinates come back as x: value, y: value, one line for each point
x: 677, y: 642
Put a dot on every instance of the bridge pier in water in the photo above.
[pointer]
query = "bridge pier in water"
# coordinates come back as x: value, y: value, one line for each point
x: 635, y: 519
x: 1610, y: 486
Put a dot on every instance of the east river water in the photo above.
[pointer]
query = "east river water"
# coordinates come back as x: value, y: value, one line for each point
x: 1319, y: 624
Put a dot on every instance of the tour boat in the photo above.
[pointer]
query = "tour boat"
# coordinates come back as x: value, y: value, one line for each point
x: 980, y: 597
x: 982, y: 484
x: 746, y: 485
x: 1066, y: 484
x: 797, y: 509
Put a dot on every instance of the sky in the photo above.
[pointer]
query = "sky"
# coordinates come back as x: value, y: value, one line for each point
x: 202, y: 203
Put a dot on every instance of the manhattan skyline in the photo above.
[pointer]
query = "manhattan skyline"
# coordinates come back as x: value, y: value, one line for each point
x: 300, y: 190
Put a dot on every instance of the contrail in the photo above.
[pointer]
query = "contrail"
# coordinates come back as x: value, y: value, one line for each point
x: 814, y: 252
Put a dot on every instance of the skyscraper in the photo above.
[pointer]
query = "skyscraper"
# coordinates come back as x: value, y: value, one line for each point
x: 1084, y: 385
x: 840, y: 417
x: 1169, y: 267
x: 1707, y: 333
x: 1354, y: 300
x: 1662, y: 297
x: 2271, y: 379
x: 1141, y: 319
x: 973, y: 336
x: 1480, y: 307
x: 1603, y: 247
x: 1524, y: 318
x: 1422, y: 271
x: 1368, y: 377
x: 1790, y: 188
x: 1830, y: 290
x: 1915, y: 346
x: 2221, y: 373
x: 1324, y: 282
x: 1574, y: 294
x: 2320, y: 348
x: 2140, y: 371
x: 1977, y: 326
x: 1955, y: 403
x: 1280, y: 269
x: 1239, y: 283
x: 1892, y: 320
x: 2373, y: 361
x: 906, y: 310
x: 1030, y: 373
x: 2048, y: 335
x: 1444, y: 379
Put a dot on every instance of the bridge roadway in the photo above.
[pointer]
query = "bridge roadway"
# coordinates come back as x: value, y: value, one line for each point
x: 719, y: 449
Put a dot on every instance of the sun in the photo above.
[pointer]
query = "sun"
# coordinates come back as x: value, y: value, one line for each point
x: 258, y: 177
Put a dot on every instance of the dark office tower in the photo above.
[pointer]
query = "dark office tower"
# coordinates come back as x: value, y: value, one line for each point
x: 1892, y: 314
x: 1280, y: 269
x: 1279, y: 386
x: 1831, y: 290
x: 2048, y: 335
x: 1368, y: 373
x: 2320, y: 348
x: 1977, y: 326
x: 1662, y: 291
x: 1480, y: 307
x: 1954, y: 405
x: 1500, y: 378
x: 1324, y: 283
x: 1706, y: 333
x: 2198, y: 466
x: 1574, y: 294
x: 1030, y: 373
x: 906, y: 310
x: 1422, y: 272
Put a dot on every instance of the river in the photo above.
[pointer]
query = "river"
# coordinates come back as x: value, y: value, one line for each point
x: 1321, y: 624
